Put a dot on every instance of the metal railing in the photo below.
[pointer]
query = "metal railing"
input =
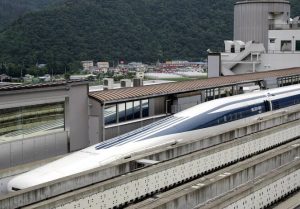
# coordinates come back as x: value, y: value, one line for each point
x: 294, y: 26
x: 283, y: 52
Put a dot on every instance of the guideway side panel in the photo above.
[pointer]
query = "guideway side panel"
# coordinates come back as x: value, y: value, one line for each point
x: 138, y: 188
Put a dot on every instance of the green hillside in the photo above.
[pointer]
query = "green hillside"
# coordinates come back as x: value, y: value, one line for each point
x: 11, y: 10
x: 129, y: 30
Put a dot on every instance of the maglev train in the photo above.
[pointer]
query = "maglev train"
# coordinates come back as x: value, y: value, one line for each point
x: 198, y: 120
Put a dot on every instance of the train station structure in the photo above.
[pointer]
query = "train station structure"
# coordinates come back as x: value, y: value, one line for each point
x: 115, y: 112
x: 238, y: 162
x: 47, y: 120
x: 44, y: 121
x: 41, y: 121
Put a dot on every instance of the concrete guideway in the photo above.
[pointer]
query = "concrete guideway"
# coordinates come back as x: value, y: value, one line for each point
x: 133, y: 186
x: 291, y: 203
x: 7, y: 174
x: 236, y: 136
x: 263, y: 191
x: 209, y: 188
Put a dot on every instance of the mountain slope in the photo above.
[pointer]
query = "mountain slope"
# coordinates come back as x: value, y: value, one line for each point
x: 10, y: 10
x: 130, y: 30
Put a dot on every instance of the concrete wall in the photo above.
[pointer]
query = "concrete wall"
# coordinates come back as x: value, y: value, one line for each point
x: 186, y: 102
x: 270, y: 61
x: 98, y: 132
x: 133, y: 186
x: 95, y: 125
x: 214, y: 186
x: 33, y: 149
x: 214, y: 65
x: 78, y: 117
x: 118, y: 129
x: 251, y: 19
x: 285, y: 35
x: 157, y: 106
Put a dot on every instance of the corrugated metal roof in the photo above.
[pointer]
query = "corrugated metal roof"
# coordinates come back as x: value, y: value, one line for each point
x: 186, y: 86
x: 37, y: 86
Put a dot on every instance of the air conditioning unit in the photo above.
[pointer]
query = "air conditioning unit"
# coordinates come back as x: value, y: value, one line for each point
x: 125, y: 83
x: 108, y: 83
x: 137, y: 82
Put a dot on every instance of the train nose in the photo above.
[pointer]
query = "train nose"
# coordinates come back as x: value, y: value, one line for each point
x: 11, y: 188
x: 14, y: 185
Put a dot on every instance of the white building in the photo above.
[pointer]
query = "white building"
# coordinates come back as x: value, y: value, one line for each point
x: 137, y: 66
x: 45, y: 78
x: 87, y: 64
x: 28, y: 78
x: 103, y: 66
x: 82, y: 77
x: 283, y: 51
x: 275, y: 40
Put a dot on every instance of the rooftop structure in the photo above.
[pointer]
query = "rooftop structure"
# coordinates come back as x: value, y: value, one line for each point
x: 116, y: 85
x: 119, y: 95
x: 253, y: 17
x: 265, y: 39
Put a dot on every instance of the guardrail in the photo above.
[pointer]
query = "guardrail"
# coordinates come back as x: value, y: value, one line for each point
x: 295, y: 26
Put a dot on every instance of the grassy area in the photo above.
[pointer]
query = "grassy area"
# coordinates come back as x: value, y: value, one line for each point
x: 184, y: 79
x: 96, y: 83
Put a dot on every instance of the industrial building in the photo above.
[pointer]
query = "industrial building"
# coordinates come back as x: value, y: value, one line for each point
x: 265, y: 38
x: 253, y: 18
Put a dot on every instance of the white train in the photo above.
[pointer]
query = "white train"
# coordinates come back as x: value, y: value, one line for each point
x: 201, y: 119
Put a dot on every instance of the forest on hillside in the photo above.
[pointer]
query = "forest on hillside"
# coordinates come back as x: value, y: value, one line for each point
x: 10, y: 10
x: 129, y: 30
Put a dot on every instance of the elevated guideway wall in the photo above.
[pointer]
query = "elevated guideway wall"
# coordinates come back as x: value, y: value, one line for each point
x: 83, y: 180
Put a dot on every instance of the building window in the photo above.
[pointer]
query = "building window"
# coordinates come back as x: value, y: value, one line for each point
x: 29, y: 121
x: 126, y: 111
x: 122, y: 112
x: 129, y: 110
x: 286, y: 46
x: 297, y: 45
x: 137, y: 109
x: 145, y: 108
x: 272, y: 40
x: 110, y: 114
